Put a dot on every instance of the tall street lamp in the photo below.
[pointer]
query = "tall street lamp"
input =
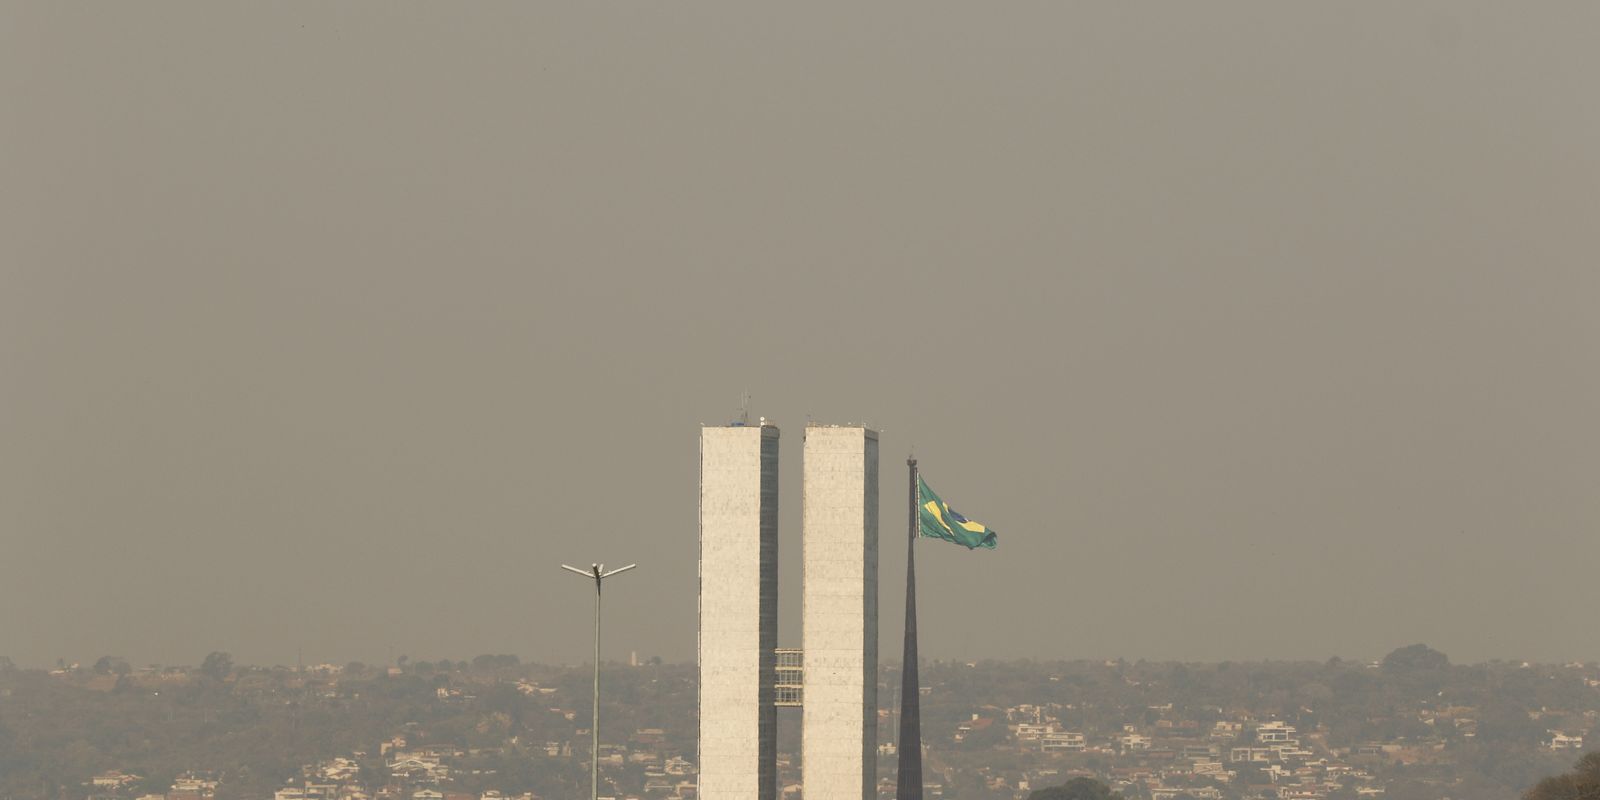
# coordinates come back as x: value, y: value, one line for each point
x: 598, y: 573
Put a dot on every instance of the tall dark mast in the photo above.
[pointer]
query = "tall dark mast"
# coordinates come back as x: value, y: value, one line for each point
x: 908, y: 782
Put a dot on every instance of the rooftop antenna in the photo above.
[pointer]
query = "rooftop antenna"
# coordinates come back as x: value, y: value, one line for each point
x: 744, y: 408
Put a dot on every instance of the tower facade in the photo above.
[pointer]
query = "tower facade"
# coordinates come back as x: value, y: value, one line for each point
x: 839, y: 724
x: 738, y: 612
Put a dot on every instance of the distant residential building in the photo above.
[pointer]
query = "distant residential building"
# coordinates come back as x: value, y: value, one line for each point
x: 1063, y: 741
x: 1239, y: 754
x: 339, y: 769
x: 115, y: 779
x: 192, y: 786
x: 417, y: 767
x: 1031, y: 731
x: 315, y: 791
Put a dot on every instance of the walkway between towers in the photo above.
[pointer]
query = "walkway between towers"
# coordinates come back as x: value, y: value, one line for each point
x: 790, y: 681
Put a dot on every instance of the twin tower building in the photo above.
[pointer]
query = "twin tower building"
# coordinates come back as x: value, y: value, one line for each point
x: 739, y: 668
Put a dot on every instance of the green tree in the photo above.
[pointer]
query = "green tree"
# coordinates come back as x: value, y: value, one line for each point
x: 112, y: 665
x: 489, y: 661
x: 217, y: 666
x: 1415, y: 658
x: 1582, y: 783
x: 1077, y: 789
x: 1504, y: 722
x: 987, y: 737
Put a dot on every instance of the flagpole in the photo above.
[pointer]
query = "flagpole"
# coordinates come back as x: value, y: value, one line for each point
x: 908, y: 781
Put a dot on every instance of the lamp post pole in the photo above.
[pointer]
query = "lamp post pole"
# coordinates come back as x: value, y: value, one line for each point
x: 598, y: 573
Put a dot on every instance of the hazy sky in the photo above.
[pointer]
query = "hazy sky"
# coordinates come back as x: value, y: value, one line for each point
x: 1258, y: 330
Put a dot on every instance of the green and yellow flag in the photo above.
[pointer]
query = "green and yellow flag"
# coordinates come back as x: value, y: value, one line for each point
x: 940, y: 521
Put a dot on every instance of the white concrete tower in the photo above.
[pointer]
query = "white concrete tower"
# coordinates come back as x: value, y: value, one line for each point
x: 839, y: 717
x: 738, y: 612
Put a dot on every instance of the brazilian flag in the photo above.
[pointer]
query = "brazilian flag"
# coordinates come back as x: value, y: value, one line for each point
x: 940, y: 521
